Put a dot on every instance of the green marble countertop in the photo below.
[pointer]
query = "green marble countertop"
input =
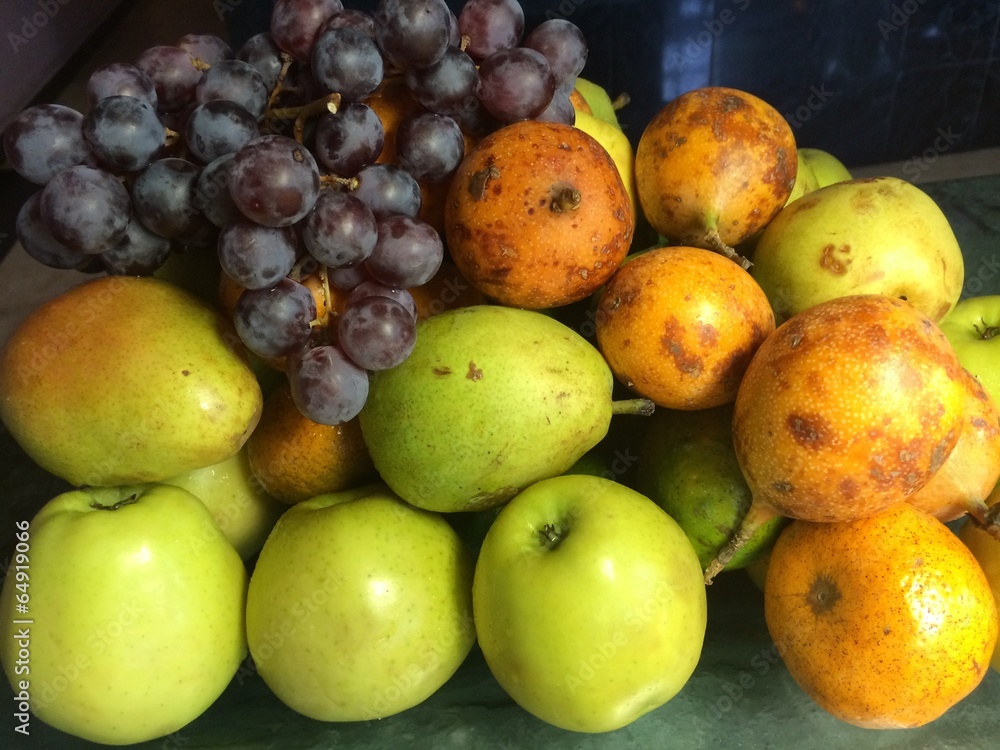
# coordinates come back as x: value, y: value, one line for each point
x: 740, y: 696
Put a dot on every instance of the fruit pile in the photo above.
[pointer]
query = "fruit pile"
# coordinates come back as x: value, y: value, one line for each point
x: 391, y: 430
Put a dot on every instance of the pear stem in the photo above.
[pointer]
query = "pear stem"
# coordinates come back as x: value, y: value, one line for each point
x: 758, y: 514
x: 714, y: 242
x: 640, y: 407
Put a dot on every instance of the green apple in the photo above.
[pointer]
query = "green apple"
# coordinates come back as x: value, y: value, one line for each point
x: 973, y: 328
x: 687, y: 466
x: 589, y: 603
x: 826, y: 167
x: 128, y: 621
x: 359, y: 605
x: 880, y: 235
x: 122, y: 380
x: 599, y: 101
x: 617, y: 144
x: 242, y: 509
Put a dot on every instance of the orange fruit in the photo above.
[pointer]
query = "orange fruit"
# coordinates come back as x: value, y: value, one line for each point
x: 537, y: 215
x: 679, y: 326
x: 986, y: 549
x: 972, y: 469
x: 714, y: 166
x: 295, y: 459
x: 886, y: 622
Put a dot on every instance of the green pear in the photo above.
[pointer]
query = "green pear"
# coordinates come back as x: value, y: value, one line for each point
x: 617, y: 144
x: 687, y: 466
x: 490, y: 400
x: 826, y: 167
x: 805, y: 180
x: 599, y: 101
x: 880, y: 235
x: 125, y: 380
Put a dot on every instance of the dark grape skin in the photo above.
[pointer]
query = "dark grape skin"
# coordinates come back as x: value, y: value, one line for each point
x: 208, y: 48
x: 351, y: 18
x: 515, y: 84
x: 212, y: 196
x: 429, y: 146
x: 560, y: 109
x: 349, y: 278
x: 277, y: 321
x: 255, y: 256
x: 348, y: 140
x: 265, y: 56
x: 563, y: 44
x: 377, y: 332
x: 218, y: 127
x: 236, y: 81
x: 85, y: 209
x: 38, y: 242
x: 120, y: 79
x: 139, y: 253
x: 340, y: 230
x: 174, y: 73
x: 295, y: 24
x: 447, y: 85
x: 377, y: 288
x: 388, y: 189
x: 124, y: 133
x: 274, y: 180
x: 412, y: 33
x: 326, y: 385
x: 408, y: 253
x: 491, y: 25
x: 43, y: 140
x: 348, y: 62
x: 163, y: 198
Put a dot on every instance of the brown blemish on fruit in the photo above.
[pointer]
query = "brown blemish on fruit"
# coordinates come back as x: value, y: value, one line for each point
x: 831, y: 263
x: 478, y: 180
x: 474, y: 372
x: 848, y: 488
x: 671, y: 341
x: 823, y: 595
x: 809, y: 430
x: 708, y: 335
x: 441, y: 371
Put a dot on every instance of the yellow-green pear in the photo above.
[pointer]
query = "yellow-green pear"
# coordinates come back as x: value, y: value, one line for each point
x: 490, y: 400
x: 878, y: 235
x: 617, y: 144
x: 599, y: 101
x: 805, y: 180
x: 123, y: 380
x: 826, y: 167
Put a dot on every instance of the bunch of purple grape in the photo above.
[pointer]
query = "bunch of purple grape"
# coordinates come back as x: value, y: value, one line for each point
x: 269, y: 155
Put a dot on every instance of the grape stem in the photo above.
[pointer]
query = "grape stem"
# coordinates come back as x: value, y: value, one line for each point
x: 329, y: 103
x: 350, y: 183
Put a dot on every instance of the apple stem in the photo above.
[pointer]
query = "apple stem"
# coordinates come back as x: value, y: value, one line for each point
x: 758, y: 514
x: 987, y: 331
x: 551, y: 536
x: 120, y: 504
x: 714, y: 242
x: 640, y: 407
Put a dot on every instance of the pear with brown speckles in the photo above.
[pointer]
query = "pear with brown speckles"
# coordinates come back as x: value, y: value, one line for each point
x: 879, y: 235
x: 845, y: 410
x: 490, y: 400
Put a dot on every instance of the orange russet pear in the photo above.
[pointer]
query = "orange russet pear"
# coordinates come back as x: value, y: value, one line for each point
x: 296, y: 459
x: 679, y: 326
x: 713, y: 167
x: 972, y: 469
x: 885, y: 622
x: 847, y: 408
x: 537, y: 215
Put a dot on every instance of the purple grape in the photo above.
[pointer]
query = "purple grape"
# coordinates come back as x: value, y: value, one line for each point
x: 412, y: 33
x: 139, y: 253
x: 429, y: 146
x: 349, y: 140
x: 236, y: 81
x: 388, y: 189
x: 163, y: 196
x: 85, y: 209
x: 174, y: 73
x: 515, y: 84
x: 340, y: 230
x: 255, y: 256
x: 372, y: 288
x: 446, y: 86
x: 408, y: 253
x: 275, y: 322
x: 377, y: 332
x: 475, y: 119
x: 326, y: 385
x: 296, y: 23
x: 265, y: 56
x: 274, y: 180
x: 491, y: 25
x: 44, y: 140
x: 348, y: 278
x: 348, y: 62
x: 208, y: 48
x: 125, y: 133
x: 562, y: 43
x: 211, y: 195
x: 38, y: 242
x: 351, y: 18
x: 218, y: 127
x: 120, y: 79
x: 560, y: 109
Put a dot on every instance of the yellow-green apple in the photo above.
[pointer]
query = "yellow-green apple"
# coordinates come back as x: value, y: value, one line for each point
x: 687, y: 466
x: 986, y: 549
x: 617, y: 144
x: 128, y: 621
x: 126, y: 379
x: 589, y: 603
x: 973, y: 328
x: 826, y: 168
x: 879, y: 235
x: 359, y: 605
x: 242, y: 509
